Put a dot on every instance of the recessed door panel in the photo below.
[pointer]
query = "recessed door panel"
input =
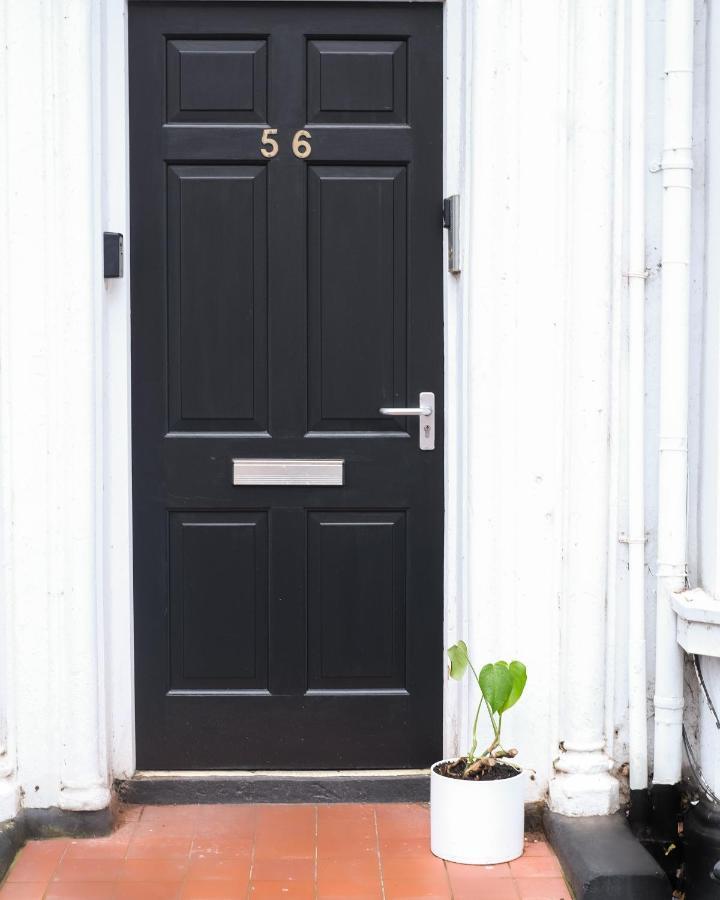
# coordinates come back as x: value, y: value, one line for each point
x: 362, y: 81
x: 218, y: 601
x: 357, y: 294
x: 356, y: 591
x: 286, y: 264
x: 217, y: 297
x: 216, y: 80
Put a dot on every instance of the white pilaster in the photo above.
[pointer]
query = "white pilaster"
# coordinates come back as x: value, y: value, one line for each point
x: 582, y: 784
x: 48, y: 384
x: 512, y: 330
x: 8, y: 787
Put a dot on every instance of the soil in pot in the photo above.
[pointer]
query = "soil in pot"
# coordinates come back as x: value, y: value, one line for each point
x: 455, y: 768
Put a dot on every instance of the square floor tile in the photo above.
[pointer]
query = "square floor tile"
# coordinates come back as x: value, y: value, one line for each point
x: 219, y: 869
x: 80, y: 870
x: 264, y: 890
x: 410, y: 889
x: 536, y: 866
x: 214, y: 890
x: 363, y: 890
x: 154, y: 870
x: 97, y: 848
x: 364, y: 868
x: 224, y: 846
x: 31, y: 868
x: 487, y: 889
x: 283, y: 870
x: 146, y: 890
x: 430, y: 868
x: 81, y: 890
x: 542, y: 889
x: 168, y: 846
x: 23, y: 891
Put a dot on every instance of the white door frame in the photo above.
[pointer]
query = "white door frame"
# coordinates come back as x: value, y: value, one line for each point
x: 115, y: 452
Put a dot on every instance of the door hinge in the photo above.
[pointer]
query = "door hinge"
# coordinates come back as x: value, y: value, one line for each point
x: 451, y: 221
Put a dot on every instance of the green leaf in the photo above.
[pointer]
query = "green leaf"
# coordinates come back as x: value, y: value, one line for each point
x: 496, y: 683
x: 518, y: 673
x: 459, y: 661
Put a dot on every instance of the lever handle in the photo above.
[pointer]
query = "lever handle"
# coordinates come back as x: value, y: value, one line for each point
x: 406, y: 410
x: 426, y: 410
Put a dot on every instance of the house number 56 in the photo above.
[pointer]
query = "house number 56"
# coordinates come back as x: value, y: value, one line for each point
x: 300, y: 143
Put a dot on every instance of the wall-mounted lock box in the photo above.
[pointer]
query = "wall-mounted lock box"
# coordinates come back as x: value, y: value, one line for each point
x: 112, y: 254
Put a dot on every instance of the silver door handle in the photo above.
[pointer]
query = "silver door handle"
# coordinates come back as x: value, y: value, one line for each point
x: 426, y: 410
x: 405, y: 410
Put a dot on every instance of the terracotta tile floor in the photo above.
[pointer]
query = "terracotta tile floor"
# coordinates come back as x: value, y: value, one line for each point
x: 227, y: 852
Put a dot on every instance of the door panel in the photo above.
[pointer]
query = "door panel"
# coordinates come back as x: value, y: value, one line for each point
x: 216, y: 80
x: 357, y: 81
x: 218, y: 600
x: 217, y: 259
x: 356, y: 600
x: 357, y: 233
x: 277, y: 303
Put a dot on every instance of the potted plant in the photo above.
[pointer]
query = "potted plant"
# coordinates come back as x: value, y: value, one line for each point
x: 477, y: 802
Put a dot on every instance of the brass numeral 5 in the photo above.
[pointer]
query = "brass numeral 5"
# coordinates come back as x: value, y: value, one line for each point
x: 270, y: 147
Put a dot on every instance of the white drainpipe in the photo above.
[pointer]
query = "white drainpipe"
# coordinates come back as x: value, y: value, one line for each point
x: 637, y: 678
x: 674, y: 355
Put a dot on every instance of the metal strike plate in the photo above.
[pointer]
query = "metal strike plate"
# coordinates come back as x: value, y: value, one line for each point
x: 451, y: 220
x: 327, y: 472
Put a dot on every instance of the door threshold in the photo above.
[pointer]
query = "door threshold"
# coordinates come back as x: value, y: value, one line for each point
x: 280, y: 773
x: 327, y: 786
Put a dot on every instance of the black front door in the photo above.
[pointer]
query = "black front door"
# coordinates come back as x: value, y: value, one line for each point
x: 286, y: 255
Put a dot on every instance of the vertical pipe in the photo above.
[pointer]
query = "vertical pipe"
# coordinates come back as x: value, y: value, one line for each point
x: 637, y: 678
x: 616, y: 361
x: 674, y: 356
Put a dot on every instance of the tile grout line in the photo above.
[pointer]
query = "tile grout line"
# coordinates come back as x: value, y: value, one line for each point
x: 57, y: 865
x: 252, y: 852
x: 186, y: 875
x: 379, y: 855
x: 316, y: 886
x: 450, y: 885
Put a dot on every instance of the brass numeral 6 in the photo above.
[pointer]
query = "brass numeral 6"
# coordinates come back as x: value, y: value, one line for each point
x: 301, y: 144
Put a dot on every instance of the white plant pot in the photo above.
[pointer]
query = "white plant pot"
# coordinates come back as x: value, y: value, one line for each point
x: 480, y: 822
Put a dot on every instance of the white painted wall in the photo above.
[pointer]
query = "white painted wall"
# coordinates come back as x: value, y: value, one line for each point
x: 536, y: 128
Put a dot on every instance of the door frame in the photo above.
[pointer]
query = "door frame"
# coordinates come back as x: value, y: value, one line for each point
x: 113, y: 412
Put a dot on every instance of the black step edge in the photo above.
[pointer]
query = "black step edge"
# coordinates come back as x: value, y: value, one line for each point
x: 602, y: 859
x: 165, y: 789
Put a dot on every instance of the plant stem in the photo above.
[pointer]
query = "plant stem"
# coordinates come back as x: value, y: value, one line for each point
x: 471, y: 756
x: 495, y: 729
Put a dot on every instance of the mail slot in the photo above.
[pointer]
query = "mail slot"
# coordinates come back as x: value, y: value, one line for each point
x: 327, y: 472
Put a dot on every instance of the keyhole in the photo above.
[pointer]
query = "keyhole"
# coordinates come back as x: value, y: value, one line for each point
x: 427, y: 431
